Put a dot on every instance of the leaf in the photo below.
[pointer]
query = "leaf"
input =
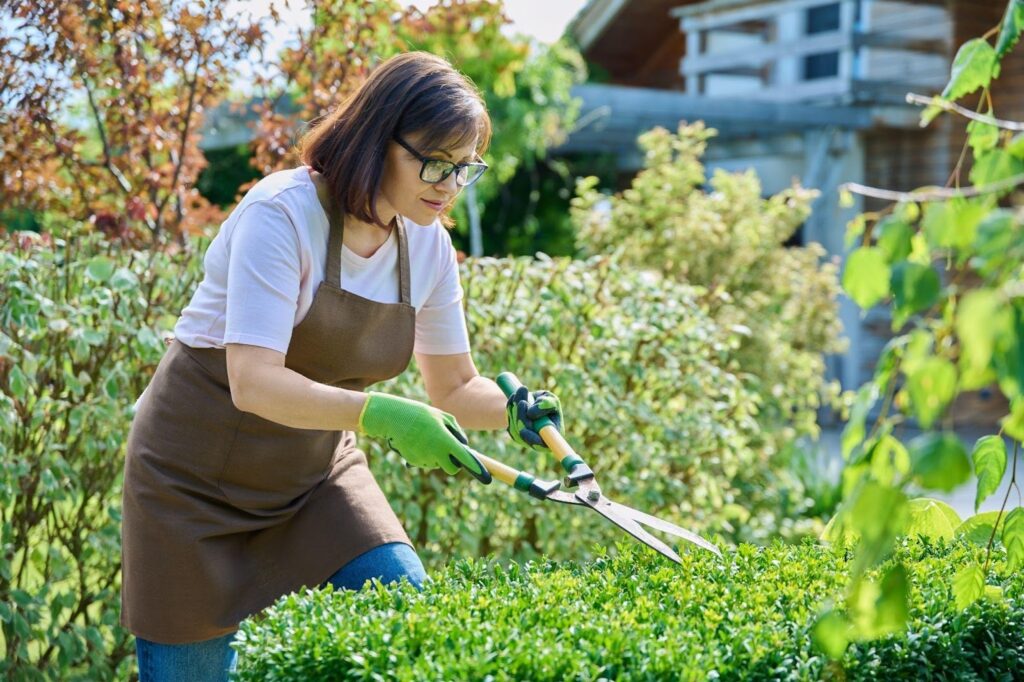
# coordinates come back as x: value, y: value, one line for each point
x: 931, y: 386
x: 915, y: 288
x: 994, y: 166
x: 891, y: 607
x: 1013, y: 538
x: 1016, y: 146
x: 953, y: 223
x: 889, y: 460
x: 831, y: 634
x: 866, y: 278
x: 989, y: 457
x: 968, y: 585
x: 1013, y: 24
x: 100, y: 268
x: 18, y: 383
x: 939, y: 461
x: 981, y: 319
x: 932, y: 518
x: 982, y: 136
x: 853, y: 432
x: 894, y: 239
x: 879, y: 514
x: 972, y: 68
x: 1013, y: 423
x: 978, y: 528
x: 1008, y: 361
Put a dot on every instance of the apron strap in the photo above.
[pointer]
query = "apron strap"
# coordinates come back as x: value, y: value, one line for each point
x: 403, y: 262
x: 334, y: 242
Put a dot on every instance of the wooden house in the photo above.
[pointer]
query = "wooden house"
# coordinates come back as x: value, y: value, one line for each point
x: 807, y: 89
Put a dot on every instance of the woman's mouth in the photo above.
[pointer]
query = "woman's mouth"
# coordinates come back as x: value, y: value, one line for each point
x: 436, y: 205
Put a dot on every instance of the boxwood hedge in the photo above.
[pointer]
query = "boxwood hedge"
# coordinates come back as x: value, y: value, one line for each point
x: 630, y: 615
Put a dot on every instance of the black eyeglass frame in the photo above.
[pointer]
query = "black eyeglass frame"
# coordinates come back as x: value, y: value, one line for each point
x: 453, y: 167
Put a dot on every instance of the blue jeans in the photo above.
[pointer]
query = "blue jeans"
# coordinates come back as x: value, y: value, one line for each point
x: 214, y: 659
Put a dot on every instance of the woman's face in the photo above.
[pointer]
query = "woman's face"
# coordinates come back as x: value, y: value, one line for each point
x: 404, y: 193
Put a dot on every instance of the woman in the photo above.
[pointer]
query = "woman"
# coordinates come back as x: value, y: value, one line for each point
x: 242, y: 477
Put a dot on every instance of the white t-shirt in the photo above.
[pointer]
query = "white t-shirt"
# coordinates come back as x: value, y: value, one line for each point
x: 266, y: 262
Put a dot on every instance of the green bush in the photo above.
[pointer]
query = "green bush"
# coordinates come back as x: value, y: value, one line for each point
x: 652, y: 401
x: 80, y: 324
x: 649, y: 382
x: 730, y: 241
x: 632, y: 615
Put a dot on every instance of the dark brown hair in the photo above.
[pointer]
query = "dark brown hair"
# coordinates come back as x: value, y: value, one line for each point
x: 411, y: 93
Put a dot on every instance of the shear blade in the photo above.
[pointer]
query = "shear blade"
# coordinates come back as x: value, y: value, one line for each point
x: 604, y: 508
x: 664, y: 526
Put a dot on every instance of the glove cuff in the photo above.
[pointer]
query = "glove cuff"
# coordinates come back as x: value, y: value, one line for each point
x: 360, y: 426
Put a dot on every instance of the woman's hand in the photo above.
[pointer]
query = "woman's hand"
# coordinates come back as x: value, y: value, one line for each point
x: 424, y: 435
x: 524, y: 409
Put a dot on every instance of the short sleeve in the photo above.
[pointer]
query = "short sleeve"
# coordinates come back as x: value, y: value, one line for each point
x: 441, y: 323
x: 264, y: 271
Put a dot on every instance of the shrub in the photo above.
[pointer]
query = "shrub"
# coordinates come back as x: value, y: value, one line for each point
x: 80, y: 323
x: 649, y: 382
x: 731, y: 242
x: 631, y: 615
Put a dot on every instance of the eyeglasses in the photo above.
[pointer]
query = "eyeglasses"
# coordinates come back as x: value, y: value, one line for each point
x: 438, y: 170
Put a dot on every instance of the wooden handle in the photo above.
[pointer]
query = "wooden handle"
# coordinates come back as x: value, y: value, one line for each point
x: 499, y: 470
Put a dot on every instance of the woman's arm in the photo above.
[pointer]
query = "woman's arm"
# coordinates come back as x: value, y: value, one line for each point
x: 455, y: 386
x: 261, y: 384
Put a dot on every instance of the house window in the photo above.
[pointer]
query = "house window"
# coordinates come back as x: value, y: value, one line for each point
x: 823, y: 65
x: 823, y: 18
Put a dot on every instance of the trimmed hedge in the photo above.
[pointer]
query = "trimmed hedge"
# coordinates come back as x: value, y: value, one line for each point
x: 630, y: 615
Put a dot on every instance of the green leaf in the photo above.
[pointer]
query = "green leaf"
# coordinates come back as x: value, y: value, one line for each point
x: 19, y: 383
x: 100, y: 268
x: 953, y: 223
x: 994, y: 166
x: 891, y: 607
x: 1013, y: 538
x: 1013, y: 423
x: 854, y: 229
x: 932, y: 111
x: 889, y: 460
x: 915, y: 288
x: 932, y: 519
x: 879, y: 514
x: 981, y: 318
x: 894, y: 239
x: 1013, y: 24
x: 1016, y: 146
x: 831, y: 634
x: 866, y: 278
x: 853, y: 432
x: 978, y: 528
x: 972, y: 68
x: 989, y: 466
x: 1008, y: 359
x: 931, y: 385
x: 968, y: 585
x: 982, y: 136
x: 939, y: 461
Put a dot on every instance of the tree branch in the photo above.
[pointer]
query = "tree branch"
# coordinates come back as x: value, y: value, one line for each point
x: 945, y: 105
x: 935, y: 194
x: 107, y: 162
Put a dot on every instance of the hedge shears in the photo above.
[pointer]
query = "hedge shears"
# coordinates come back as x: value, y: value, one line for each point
x: 587, y: 493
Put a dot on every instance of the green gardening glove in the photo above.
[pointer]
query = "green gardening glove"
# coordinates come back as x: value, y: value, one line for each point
x: 524, y: 409
x: 423, y: 435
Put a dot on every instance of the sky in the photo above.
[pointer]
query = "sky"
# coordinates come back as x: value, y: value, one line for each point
x: 545, y: 20
x: 542, y: 19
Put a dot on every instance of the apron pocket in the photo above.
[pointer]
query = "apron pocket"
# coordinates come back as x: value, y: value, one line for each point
x: 273, y: 468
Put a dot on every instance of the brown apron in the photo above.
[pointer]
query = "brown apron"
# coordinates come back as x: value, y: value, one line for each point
x: 224, y: 511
